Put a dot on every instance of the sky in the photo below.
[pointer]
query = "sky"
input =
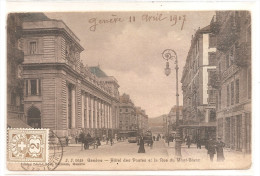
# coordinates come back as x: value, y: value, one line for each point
x: 128, y: 46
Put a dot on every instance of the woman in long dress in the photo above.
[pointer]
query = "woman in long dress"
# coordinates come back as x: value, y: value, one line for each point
x: 141, y: 146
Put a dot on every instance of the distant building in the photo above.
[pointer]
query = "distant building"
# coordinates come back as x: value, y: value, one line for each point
x: 132, y: 117
x: 127, y: 119
x: 142, y: 120
x: 233, y: 78
x: 57, y: 91
x: 199, y: 113
x: 169, y: 120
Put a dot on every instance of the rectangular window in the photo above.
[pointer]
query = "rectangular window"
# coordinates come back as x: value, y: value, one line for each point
x: 212, y: 59
x: 212, y: 41
x: 228, y: 95
x: 32, y: 47
x: 232, y: 93
x: 39, y: 87
x: 237, y: 91
x: 26, y: 87
x: 219, y: 99
x: 33, y: 87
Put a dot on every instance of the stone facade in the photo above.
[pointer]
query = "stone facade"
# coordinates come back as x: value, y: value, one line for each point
x: 60, y: 93
x: 128, y: 119
x: 132, y: 117
x: 199, y: 116
x: 233, y: 78
x: 15, y: 58
x: 142, y: 120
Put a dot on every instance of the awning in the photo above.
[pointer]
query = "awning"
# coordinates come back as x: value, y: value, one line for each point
x: 203, y: 124
x: 17, y: 123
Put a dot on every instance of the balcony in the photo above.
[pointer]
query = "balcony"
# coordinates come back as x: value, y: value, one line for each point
x: 229, y: 33
x: 243, y: 55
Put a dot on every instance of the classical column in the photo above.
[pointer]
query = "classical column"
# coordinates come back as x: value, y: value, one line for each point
x: 110, y: 117
x: 82, y: 110
x: 105, y: 113
x: 91, y: 111
x: 67, y: 105
x: 95, y: 108
x: 100, y: 114
x: 97, y: 112
x: 73, y: 108
x: 87, y: 113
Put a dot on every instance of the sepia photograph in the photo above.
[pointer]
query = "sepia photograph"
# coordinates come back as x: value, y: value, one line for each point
x: 129, y: 90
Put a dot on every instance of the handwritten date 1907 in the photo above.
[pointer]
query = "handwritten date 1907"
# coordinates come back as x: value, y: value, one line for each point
x: 146, y: 18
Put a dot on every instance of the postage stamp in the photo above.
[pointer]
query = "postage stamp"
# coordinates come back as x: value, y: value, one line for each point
x: 27, y: 145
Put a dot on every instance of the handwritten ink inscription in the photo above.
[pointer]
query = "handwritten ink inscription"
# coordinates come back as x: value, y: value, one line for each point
x: 146, y: 18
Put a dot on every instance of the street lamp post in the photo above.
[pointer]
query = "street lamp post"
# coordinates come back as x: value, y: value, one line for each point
x: 168, y: 55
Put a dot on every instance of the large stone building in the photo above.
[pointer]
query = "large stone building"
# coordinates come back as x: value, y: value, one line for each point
x: 15, y: 58
x: 127, y: 113
x: 142, y: 120
x: 233, y: 78
x: 59, y: 92
x: 199, y: 115
x: 131, y: 117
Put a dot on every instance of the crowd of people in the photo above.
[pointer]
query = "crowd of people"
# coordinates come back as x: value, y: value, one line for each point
x: 212, y: 146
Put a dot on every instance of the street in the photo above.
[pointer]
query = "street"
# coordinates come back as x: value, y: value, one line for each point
x: 118, y: 149
x: 125, y: 155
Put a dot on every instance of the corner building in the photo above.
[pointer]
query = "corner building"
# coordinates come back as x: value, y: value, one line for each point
x: 199, y: 112
x: 60, y: 93
x: 233, y: 78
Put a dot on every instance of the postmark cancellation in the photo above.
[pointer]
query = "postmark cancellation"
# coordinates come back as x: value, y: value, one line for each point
x: 27, y: 145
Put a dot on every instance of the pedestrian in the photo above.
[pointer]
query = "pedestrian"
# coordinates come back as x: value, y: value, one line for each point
x: 153, y: 138
x: 188, y: 142
x: 67, y: 141
x: 111, y: 141
x: 107, y: 139
x: 76, y: 139
x: 219, y: 147
x: 168, y: 140
x: 198, y: 143
x: 151, y: 143
x: 141, y: 146
x: 211, y: 147
x: 98, y: 142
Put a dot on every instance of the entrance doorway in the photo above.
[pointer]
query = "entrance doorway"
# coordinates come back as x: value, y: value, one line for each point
x: 34, y: 117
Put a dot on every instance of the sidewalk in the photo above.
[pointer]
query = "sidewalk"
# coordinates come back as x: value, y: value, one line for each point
x: 194, y: 153
x: 102, y: 143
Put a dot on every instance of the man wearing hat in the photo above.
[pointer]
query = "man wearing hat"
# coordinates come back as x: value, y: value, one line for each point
x: 211, y: 147
x: 219, y: 148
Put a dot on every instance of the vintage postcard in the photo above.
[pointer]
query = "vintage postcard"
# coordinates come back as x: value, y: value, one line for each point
x: 129, y: 90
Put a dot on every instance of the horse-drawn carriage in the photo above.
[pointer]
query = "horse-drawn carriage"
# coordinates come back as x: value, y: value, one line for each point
x: 88, y: 141
x: 148, y: 138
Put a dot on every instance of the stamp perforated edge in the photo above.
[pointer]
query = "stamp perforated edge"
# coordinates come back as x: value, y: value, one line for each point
x: 46, y: 130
